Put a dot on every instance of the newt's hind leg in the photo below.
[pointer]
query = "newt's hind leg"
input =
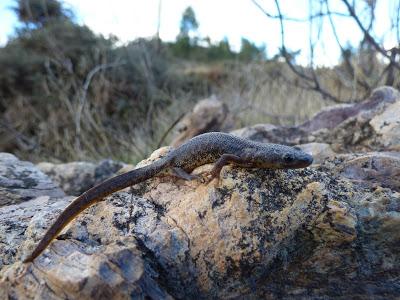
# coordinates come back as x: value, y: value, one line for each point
x: 181, y: 173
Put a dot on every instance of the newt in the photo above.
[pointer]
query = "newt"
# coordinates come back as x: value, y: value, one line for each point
x: 214, y: 147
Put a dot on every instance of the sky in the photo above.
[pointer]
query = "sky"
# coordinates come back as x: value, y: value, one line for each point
x: 218, y: 19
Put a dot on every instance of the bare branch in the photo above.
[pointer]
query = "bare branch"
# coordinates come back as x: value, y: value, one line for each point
x: 83, y: 95
x: 311, y: 79
x: 291, y: 19
x: 164, y: 136
x: 367, y: 35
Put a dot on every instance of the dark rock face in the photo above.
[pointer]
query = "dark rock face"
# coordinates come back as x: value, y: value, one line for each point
x: 21, y: 181
x: 372, y: 169
x: 76, y: 177
x: 329, y: 231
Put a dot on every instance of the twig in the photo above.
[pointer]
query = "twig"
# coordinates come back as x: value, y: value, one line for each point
x: 169, y: 130
x: 367, y: 35
x: 83, y: 95
x: 316, y: 87
x: 318, y: 15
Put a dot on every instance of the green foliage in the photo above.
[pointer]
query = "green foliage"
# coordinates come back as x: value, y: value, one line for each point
x: 220, y: 51
x: 60, y: 46
x: 182, y: 47
x: 187, y: 44
x: 250, y: 52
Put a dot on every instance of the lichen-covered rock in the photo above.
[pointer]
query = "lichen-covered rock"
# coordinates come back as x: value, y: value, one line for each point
x: 372, y: 125
x: 117, y: 273
x: 252, y: 234
x: 370, y: 169
x: 27, y: 218
x: 76, y: 177
x: 79, y: 267
x: 21, y: 181
x: 348, y: 254
x: 387, y: 126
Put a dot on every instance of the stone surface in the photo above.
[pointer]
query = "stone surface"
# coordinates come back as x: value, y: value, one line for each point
x: 387, y: 126
x: 320, y: 151
x: 254, y: 132
x: 21, y: 181
x: 370, y: 169
x: 208, y: 115
x: 371, y: 125
x: 333, y: 116
x: 252, y: 234
x: 76, y: 177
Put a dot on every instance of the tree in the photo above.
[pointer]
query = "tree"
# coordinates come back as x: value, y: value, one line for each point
x: 184, y: 42
x: 40, y: 12
x: 188, y: 24
x: 250, y: 52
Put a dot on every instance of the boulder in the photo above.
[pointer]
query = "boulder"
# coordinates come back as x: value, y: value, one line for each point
x: 76, y: 177
x: 306, y: 233
x: 208, y: 115
x: 21, y: 181
x: 387, y: 127
x: 371, y: 125
x: 369, y: 169
x: 320, y: 151
x: 333, y: 116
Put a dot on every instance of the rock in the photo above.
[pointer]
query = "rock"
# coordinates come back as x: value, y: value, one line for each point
x: 77, y: 177
x: 366, y: 129
x: 255, y: 132
x: 371, y: 125
x: 320, y: 151
x: 387, y: 127
x: 15, y: 219
x: 119, y: 272
x: 304, y: 233
x: 372, y: 169
x: 268, y: 133
x: 331, y: 117
x: 208, y: 115
x: 21, y: 181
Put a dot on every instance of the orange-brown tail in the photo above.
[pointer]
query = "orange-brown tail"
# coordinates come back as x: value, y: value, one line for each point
x: 93, y: 196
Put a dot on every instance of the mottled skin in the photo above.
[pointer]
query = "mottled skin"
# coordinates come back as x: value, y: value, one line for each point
x: 217, y: 147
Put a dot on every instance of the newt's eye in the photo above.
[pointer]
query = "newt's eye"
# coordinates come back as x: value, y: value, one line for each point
x: 288, y: 158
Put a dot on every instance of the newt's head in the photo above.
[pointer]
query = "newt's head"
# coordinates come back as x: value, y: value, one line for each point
x: 273, y: 156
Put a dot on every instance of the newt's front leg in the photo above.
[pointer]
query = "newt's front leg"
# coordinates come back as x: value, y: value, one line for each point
x: 224, y: 160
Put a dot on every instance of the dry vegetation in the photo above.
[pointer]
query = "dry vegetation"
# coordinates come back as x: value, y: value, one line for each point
x: 107, y: 127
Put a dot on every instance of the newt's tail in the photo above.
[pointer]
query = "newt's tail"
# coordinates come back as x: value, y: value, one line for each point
x: 92, y: 196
